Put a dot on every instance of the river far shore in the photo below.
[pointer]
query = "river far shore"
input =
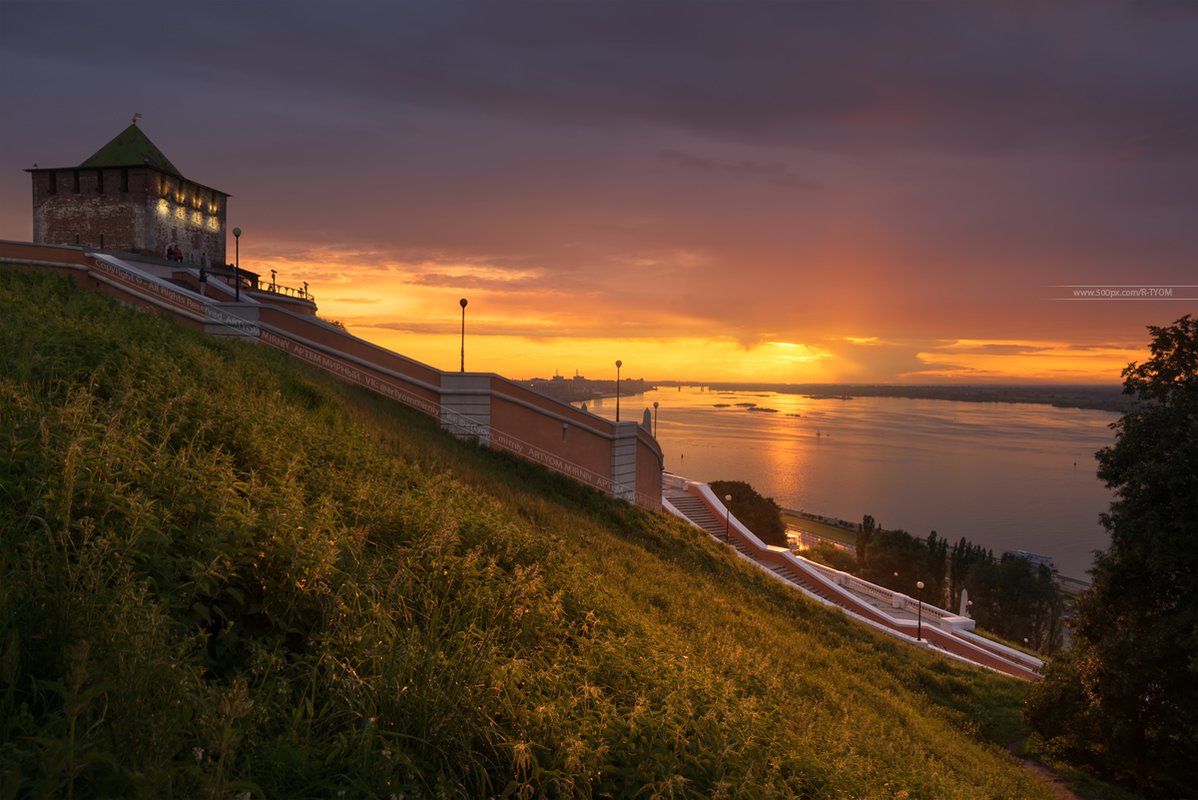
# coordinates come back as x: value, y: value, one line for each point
x: 1090, y: 397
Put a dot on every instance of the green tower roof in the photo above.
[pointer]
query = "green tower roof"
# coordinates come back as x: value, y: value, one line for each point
x: 131, y: 148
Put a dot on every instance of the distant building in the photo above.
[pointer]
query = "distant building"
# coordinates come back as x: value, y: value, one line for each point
x: 128, y: 197
x: 578, y: 388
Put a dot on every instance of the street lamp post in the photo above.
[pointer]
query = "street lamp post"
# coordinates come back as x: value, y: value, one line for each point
x: 655, y: 404
x: 618, y: 365
x: 919, y: 612
x: 463, y: 304
x: 237, y: 264
x: 727, y: 516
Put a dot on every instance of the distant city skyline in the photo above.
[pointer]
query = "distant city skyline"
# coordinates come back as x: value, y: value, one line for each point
x: 749, y: 191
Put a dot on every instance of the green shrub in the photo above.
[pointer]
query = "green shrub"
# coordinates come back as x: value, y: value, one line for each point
x: 759, y: 514
x: 832, y: 556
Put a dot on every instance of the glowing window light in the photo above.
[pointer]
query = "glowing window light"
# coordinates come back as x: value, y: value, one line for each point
x: 197, y: 218
x: 164, y: 208
x: 181, y: 213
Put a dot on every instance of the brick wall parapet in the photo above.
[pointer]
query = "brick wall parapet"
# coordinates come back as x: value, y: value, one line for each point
x: 619, y: 458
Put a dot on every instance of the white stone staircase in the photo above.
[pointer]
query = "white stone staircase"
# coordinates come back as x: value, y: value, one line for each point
x: 876, y: 606
x: 697, y: 512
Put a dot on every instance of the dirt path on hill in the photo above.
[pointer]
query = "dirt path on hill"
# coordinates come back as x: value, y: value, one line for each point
x: 1050, y: 779
x: 1043, y: 773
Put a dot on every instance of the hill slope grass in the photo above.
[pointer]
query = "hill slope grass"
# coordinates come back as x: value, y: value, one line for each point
x: 224, y: 573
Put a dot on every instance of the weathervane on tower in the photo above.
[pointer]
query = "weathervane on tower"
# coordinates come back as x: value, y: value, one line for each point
x: 136, y: 117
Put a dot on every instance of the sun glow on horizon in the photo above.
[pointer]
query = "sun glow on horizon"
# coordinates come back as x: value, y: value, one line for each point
x: 519, y: 329
x: 1064, y: 362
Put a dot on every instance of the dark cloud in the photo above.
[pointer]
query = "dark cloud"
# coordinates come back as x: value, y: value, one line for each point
x: 531, y: 284
x: 809, y: 169
x: 778, y: 174
x: 1101, y: 78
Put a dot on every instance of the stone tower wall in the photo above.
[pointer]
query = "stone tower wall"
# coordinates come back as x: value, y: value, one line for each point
x: 87, y: 207
x: 186, y: 214
x: 131, y: 209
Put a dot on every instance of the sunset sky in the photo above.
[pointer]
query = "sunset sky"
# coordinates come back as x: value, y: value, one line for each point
x: 759, y: 191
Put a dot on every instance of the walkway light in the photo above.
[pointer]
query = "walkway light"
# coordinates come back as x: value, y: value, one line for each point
x: 237, y: 264
x: 727, y: 515
x: 919, y: 612
x: 463, y: 304
x: 655, y: 404
x: 618, y: 365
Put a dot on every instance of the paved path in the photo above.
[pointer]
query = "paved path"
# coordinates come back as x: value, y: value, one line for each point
x: 874, y: 605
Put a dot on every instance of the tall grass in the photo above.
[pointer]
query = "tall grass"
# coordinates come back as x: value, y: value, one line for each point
x: 222, y: 573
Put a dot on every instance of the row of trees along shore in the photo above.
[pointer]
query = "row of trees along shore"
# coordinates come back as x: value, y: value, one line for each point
x: 1009, y: 596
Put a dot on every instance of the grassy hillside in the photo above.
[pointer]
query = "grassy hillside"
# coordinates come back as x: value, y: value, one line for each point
x: 222, y: 572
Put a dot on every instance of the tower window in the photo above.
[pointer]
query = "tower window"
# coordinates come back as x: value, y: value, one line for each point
x: 124, y: 179
x: 99, y: 181
x: 52, y: 182
x: 75, y: 182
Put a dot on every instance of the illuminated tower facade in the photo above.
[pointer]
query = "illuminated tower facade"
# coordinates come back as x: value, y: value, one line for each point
x: 129, y: 197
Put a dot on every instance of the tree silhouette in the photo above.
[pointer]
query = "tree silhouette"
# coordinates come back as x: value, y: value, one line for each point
x: 1126, y: 698
x: 865, y: 535
x: 759, y: 514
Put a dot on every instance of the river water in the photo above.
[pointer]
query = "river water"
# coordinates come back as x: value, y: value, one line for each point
x: 1007, y: 476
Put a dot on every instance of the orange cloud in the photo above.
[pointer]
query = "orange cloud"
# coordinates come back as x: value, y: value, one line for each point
x: 994, y: 360
x: 520, y: 323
